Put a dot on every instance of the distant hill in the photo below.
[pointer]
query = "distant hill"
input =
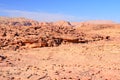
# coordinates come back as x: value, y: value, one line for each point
x: 94, y: 22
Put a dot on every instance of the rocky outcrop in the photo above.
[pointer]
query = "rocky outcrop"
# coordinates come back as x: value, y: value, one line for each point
x: 62, y: 23
x: 21, y: 35
x: 2, y: 58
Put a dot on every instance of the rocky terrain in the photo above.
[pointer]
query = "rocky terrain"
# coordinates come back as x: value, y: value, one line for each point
x: 32, y: 50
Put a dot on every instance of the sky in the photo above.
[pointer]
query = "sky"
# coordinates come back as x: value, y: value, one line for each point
x: 55, y: 10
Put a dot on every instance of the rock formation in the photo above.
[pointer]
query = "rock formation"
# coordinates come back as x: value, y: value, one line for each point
x: 24, y: 33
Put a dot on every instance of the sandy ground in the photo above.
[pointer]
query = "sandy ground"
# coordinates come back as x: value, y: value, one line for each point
x: 98, y: 61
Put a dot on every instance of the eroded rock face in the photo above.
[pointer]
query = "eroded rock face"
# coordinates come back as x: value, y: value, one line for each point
x: 29, y: 34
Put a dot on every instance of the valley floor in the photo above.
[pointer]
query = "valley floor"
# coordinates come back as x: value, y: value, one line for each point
x: 89, y: 61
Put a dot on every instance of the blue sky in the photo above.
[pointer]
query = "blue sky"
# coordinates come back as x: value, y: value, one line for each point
x: 54, y: 10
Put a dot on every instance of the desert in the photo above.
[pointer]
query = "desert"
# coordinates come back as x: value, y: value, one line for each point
x: 61, y: 50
